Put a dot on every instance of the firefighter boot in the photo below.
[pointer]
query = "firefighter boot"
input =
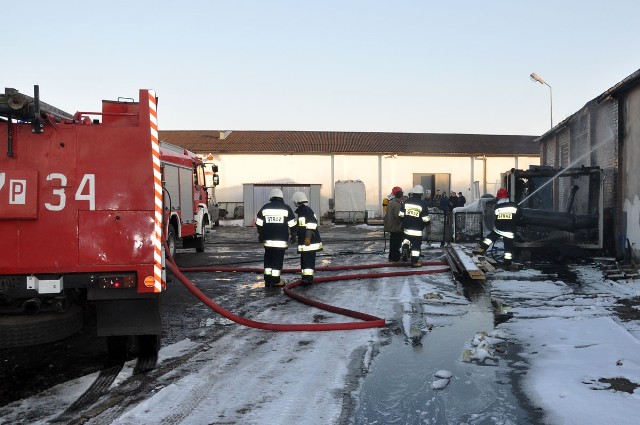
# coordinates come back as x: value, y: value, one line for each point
x: 406, y: 250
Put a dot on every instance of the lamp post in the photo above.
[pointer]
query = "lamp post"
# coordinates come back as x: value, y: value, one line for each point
x: 536, y: 77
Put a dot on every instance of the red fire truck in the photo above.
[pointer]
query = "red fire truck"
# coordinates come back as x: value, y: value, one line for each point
x: 85, y: 203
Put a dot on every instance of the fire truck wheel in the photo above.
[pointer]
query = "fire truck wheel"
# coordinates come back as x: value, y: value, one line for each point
x: 117, y: 349
x: 171, y: 241
x: 22, y: 331
x: 200, y: 242
x: 148, y: 347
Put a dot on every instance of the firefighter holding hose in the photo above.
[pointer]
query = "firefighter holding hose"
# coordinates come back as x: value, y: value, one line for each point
x: 506, y: 217
x: 309, y: 242
x: 276, y: 227
x: 415, y: 217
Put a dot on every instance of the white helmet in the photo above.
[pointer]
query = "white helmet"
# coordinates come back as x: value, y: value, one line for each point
x: 276, y: 193
x: 417, y: 189
x: 299, y: 197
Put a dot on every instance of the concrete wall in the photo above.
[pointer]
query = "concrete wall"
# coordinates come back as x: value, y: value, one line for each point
x: 630, y: 169
x: 379, y: 173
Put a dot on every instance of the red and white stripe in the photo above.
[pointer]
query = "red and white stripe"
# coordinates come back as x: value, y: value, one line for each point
x: 158, y: 258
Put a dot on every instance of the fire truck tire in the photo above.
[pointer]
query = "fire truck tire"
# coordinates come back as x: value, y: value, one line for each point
x: 171, y: 241
x: 201, y: 241
x: 22, y: 331
x: 117, y: 348
x: 148, y: 347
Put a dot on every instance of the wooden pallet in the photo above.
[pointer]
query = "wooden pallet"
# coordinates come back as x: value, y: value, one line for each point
x: 465, y: 263
x: 613, y: 270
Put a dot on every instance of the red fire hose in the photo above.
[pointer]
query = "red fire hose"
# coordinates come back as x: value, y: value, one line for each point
x: 368, y: 321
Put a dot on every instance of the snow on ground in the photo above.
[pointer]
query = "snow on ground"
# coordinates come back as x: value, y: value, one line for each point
x: 573, y: 346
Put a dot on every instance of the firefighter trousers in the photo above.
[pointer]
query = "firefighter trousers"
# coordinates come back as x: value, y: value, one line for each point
x: 273, y: 261
x: 307, y: 266
x: 395, y: 243
x: 416, y: 244
x: 508, y: 245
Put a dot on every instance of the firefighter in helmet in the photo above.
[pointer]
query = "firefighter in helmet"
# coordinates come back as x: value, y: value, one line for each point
x: 506, y: 217
x: 309, y: 242
x: 415, y: 217
x: 276, y: 226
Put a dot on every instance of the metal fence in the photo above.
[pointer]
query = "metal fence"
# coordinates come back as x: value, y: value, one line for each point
x: 461, y: 227
x: 468, y: 227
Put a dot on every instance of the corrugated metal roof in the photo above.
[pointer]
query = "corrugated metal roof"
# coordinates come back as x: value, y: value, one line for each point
x: 327, y: 142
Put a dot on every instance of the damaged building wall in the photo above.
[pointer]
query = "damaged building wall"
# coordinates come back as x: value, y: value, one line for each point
x: 606, y: 133
x: 630, y: 172
x: 587, y: 138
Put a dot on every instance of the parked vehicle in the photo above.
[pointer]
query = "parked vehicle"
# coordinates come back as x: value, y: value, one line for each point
x: 86, y: 201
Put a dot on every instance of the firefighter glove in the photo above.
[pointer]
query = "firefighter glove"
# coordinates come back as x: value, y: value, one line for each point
x: 307, y: 241
x: 293, y: 239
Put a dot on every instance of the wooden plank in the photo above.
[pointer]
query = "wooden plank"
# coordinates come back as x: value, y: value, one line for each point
x: 467, y: 263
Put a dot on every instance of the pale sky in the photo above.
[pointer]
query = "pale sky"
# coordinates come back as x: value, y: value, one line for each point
x: 349, y: 65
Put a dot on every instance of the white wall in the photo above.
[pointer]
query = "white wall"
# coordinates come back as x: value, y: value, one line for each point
x: 234, y: 170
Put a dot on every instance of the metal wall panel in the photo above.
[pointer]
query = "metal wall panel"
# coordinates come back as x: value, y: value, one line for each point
x: 256, y: 195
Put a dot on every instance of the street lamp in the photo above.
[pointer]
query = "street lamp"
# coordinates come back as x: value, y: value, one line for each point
x: 536, y: 77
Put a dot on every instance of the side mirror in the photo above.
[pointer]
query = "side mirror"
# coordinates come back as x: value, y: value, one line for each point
x: 214, y: 168
x: 216, y: 179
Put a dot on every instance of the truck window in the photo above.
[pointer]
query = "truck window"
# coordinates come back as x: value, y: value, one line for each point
x: 200, y: 175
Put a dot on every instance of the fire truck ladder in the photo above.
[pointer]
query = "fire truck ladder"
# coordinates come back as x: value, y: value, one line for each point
x: 18, y: 106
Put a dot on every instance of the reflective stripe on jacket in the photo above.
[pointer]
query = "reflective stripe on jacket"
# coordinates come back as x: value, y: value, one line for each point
x: 273, y: 222
x: 506, y: 217
x: 415, y: 216
x: 307, y: 224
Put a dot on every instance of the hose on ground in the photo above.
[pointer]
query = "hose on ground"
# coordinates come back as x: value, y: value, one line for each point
x: 368, y: 321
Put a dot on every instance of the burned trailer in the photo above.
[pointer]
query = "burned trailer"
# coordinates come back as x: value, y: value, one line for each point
x: 561, y: 210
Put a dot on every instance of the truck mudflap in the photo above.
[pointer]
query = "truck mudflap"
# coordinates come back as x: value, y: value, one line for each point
x: 120, y: 320
x: 128, y: 317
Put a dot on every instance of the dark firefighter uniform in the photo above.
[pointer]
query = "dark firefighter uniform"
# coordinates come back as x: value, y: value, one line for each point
x: 506, y: 216
x: 415, y: 216
x: 309, y: 242
x: 275, y: 221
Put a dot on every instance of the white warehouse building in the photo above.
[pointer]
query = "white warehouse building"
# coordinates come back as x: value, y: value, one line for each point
x: 446, y: 162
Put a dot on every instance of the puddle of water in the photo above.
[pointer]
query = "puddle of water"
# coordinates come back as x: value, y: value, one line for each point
x: 398, y: 388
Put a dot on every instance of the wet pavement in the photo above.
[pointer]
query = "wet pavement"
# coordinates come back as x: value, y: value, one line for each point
x: 430, y: 333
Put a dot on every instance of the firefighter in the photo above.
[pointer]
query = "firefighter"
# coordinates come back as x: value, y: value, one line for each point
x: 415, y: 217
x: 276, y: 226
x: 506, y: 216
x: 309, y: 242
x: 393, y: 224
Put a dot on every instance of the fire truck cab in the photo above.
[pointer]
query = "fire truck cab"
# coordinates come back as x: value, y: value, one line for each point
x: 186, y: 205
